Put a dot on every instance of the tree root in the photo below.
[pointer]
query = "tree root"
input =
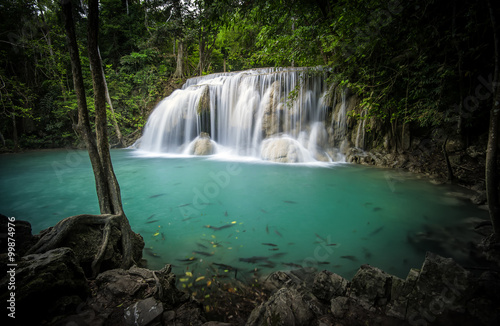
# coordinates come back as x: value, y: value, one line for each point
x: 57, y: 235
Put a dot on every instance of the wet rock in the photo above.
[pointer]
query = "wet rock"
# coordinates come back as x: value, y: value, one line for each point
x: 280, y: 150
x: 371, y: 287
x: 339, y: 306
x: 440, y: 293
x: 284, y: 150
x: 286, y: 307
x: 204, y: 103
x: 47, y: 285
x: 273, y: 110
x: 328, y: 285
x: 216, y: 323
x: 143, y: 312
x: 190, y: 313
x: 280, y: 279
x: 202, y: 145
x: 118, y: 288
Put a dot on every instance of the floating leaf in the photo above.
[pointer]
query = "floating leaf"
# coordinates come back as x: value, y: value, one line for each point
x: 157, y: 233
x: 200, y: 278
x: 189, y: 274
x: 185, y: 279
x: 233, y: 222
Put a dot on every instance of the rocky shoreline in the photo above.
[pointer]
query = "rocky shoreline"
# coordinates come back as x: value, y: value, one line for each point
x: 52, y: 289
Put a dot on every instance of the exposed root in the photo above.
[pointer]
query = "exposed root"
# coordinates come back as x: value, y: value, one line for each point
x: 59, y: 235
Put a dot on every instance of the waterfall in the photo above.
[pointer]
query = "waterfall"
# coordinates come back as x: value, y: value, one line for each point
x: 271, y: 114
x: 360, y: 135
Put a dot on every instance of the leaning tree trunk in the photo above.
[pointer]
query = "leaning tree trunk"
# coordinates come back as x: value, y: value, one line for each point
x: 108, y: 100
x: 116, y: 231
x: 492, y: 192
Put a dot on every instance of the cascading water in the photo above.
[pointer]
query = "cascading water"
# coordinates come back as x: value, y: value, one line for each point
x: 271, y: 114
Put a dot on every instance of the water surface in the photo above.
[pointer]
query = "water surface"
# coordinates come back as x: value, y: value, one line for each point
x: 196, y: 211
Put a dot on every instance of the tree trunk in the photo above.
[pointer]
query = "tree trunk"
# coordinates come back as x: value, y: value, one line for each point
x: 113, y: 115
x: 492, y: 192
x: 451, y: 177
x: 202, y: 50
x: 112, y: 199
x: 108, y: 191
x: 14, y: 132
x: 179, y: 70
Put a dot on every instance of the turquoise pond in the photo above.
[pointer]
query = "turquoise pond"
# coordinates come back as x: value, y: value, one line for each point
x: 197, y: 211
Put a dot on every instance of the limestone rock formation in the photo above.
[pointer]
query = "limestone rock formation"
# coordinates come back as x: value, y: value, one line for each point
x: 272, y: 112
x: 284, y: 150
x: 202, y: 145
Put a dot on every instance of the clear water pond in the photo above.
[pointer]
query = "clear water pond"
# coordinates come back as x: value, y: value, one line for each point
x: 211, y: 215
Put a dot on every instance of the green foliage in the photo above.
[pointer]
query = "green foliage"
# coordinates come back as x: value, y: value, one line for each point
x: 409, y: 61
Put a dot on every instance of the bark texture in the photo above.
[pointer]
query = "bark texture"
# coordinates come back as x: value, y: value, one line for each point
x: 112, y: 225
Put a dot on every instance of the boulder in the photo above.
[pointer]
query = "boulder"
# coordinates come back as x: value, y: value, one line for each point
x: 371, y: 287
x: 286, y: 307
x: 328, y: 285
x: 189, y: 313
x: 119, y: 295
x: 202, y: 145
x: 204, y: 102
x: 440, y: 293
x: 284, y: 150
x: 272, y: 112
x: 143, y: 312
x: 46, y: 286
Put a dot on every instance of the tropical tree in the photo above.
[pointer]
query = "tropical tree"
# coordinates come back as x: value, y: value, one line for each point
x: 108, y: 191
